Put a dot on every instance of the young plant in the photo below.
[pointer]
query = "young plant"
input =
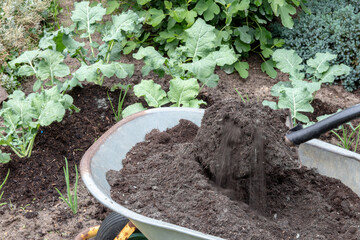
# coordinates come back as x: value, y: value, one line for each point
x: 71, y: 199
x: 182, y: 93
x: 197, y: 58
x: 45, y: 65
x: 297, y: 94
x: 2, y: 184
x: 22, y: 117
x: 123, y: 91
x: 241, y: 96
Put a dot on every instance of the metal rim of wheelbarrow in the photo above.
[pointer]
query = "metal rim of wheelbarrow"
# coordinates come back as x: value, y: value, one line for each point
x: 138, y: 220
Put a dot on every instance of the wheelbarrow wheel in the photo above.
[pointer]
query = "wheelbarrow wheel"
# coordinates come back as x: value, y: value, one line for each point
x: 111, y: 226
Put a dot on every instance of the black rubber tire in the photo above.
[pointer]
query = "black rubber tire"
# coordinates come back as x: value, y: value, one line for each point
x: 111, y: 226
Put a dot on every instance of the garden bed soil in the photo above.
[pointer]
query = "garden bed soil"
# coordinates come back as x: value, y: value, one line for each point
x: 211, y: 180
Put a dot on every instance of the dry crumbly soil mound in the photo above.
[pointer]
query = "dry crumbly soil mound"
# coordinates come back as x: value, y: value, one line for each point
x: 171, y: 176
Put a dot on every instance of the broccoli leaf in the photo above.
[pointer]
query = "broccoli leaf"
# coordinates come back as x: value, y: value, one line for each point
x: 125, y: 22
x: 319, y: 64
x: 152, y: 92
x: 131, y: 109
x: 200, y: 39
x: 91, y: 72
x: 152, y: 59
x: 183, y: 92
x: 289, y: 62
x: 85, y: 17
x: 297, y: 100
x: 52, y: 65
x: 334, y: 71
x: 4, y: 158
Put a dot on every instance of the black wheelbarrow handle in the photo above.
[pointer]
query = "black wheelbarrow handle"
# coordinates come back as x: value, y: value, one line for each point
x: 298, y: 135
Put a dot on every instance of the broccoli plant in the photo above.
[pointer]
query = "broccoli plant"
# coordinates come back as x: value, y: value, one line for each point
x: 22, y: 116
x: 297, y: 94
x: 100, y: 61
x: 182, y: 93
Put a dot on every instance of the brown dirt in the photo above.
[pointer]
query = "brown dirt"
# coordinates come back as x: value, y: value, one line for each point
x: 172, y: 177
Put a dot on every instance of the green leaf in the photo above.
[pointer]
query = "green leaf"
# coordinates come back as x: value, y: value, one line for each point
x: 156, y: 16
x: 258, y: 3
x: 91, y: 73
x: 279, y: 87
x: 152, y: 92
x: 85, y: 16
x: 122, y: 70
x: 4, y: 158
x: 334, y: 71
x: 182, y: 92
x: 143, y: 2
x: 190, y: 17
x: 27, y: 57
x: 152, y: 58
x: 53, y: 111
x: 242, y: 68
x: 225, y: 55
x: 285, y: 11
x: 52, y: 65
x: 270, y: 104
x: 310, y: 86
x: 267, y: 52
x: 243, y: 5
x: 268, y: 67
x: 134, y: 108
x: 297, y: 100
x: 200, y: 39
x: 245, y: 34
x: 202, y: 68
x: 112, y: 6
x: 289, y: 62
x: 320, y: 63
x: 212, y: 10
x: 127, y: 22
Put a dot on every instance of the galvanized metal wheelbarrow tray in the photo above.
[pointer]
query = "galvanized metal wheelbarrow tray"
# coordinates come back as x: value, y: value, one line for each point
x: 110, y: 149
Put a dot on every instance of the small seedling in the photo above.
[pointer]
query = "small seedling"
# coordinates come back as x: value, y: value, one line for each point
x: 241, y: 96
x: 2, y: 184
x: 71, y: 199
x: 347, y: 138
x: 123, y: 91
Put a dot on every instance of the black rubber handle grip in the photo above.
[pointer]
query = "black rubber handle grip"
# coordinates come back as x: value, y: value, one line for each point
x: 298, y: 136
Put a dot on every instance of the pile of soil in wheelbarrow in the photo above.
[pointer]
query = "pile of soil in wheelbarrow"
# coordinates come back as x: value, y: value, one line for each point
x: 235, y: 178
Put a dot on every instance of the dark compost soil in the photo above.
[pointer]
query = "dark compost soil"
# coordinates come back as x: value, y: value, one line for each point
x: 234, y: 178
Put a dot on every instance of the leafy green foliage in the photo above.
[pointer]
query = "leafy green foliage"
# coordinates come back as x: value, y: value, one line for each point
x: 23, y: 115
x: 297, y: 94
x: 182, y: 93
x: 237, y: 24
x: 45, y: 65
x: 197, y: 58
x: 333, y: 27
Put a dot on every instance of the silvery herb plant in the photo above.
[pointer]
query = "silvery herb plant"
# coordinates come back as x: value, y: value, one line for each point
x: 182, y: 93
x: 22, y: 116
x: 297, y: 94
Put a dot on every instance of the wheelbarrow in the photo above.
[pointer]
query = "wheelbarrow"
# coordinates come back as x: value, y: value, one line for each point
x: 110, y: 149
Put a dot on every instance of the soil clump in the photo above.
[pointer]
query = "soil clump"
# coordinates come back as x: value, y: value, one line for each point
x: 256, y: 191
